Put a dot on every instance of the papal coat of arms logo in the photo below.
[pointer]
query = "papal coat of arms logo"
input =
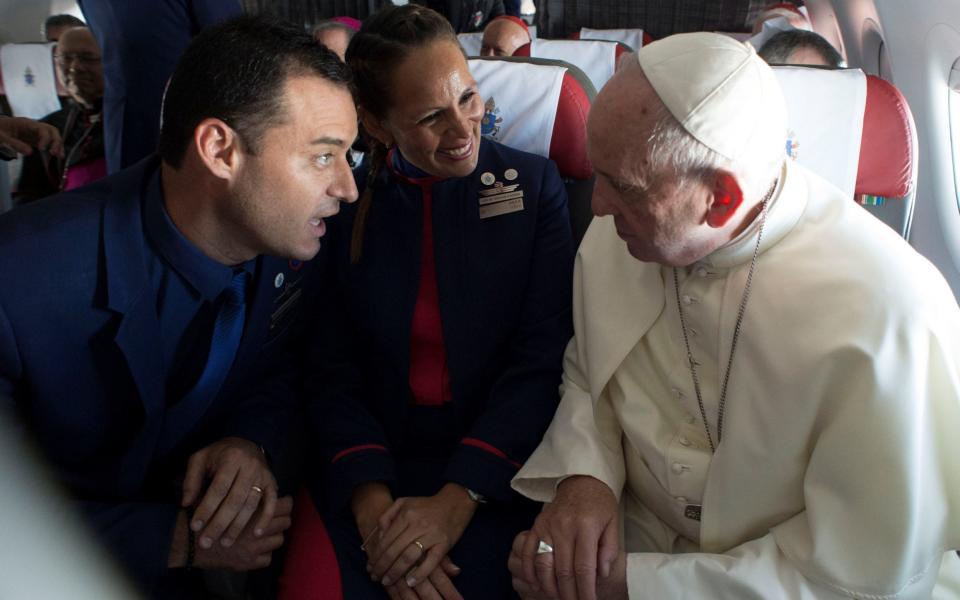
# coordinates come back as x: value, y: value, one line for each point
x: 793, y: 146
x: 490, y: 124
x: 28, y: 77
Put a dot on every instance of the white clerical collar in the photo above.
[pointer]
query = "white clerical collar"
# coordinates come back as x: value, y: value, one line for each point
x: 786, y: 206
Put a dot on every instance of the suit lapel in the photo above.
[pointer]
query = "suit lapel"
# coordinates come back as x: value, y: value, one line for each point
x: 129, y: 293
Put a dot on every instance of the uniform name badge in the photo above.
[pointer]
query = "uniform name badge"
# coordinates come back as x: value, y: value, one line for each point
x: 499, y: 199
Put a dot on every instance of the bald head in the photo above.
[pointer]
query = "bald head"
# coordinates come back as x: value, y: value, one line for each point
x: 79, y: 65
x: 502, y: 37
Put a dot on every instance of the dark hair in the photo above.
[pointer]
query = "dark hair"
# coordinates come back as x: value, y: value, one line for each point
x: 778, y: 49
x: 61, y: 21
x: 236, y: 72
x: 384, y: 41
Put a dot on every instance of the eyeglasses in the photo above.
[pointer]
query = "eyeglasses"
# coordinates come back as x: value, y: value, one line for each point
x: 69, y: 57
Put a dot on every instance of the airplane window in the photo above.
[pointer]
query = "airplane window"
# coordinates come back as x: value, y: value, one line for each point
x: 955, y: 125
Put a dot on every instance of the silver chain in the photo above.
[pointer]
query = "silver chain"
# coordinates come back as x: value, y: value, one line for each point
x: 736, y: 332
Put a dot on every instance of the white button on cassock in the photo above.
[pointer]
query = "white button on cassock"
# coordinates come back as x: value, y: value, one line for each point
x: 678, y: 468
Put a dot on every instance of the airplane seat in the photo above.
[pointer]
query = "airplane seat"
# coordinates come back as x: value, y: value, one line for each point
x: 471, y: 42
x: 28, y: 79
x: 887, y: 174
x: 856, y: 131
x: 632, y: 38
x: 597, y: 58
x: 541, y: 106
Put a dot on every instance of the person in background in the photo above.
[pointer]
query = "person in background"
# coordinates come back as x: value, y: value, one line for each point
x: 453, y: 298
x: 503, y: 35
x: 140, y: 44
x: 467, y: 15
x: 335, y: 35
x: 763, y: 432
x: 799, y: 47
x: 19, y: 135
x: 80, y: 124
x: 55, y: 25
x: 154, y: 350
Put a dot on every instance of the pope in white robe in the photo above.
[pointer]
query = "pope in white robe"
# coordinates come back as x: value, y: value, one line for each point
x: 836, y: 470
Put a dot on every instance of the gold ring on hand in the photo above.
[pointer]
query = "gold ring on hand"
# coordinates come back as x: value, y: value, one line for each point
x: 257, y: 489
x: 418, y: 545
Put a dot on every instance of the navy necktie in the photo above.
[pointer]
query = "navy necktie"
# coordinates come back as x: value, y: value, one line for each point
x: 227, y: 331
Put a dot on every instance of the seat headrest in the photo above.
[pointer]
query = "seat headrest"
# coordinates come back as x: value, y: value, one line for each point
x: 634, y: 39
x: 538, y: 107
x: 888, y: 154
x: 596, y: 58
x: 855, y: 130
x: 825, y: 110
x: 29, y: 80
x: 471, y: 42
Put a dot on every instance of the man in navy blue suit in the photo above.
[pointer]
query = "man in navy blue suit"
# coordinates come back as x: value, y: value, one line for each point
x: 148, y: 322
x: 141, y: 42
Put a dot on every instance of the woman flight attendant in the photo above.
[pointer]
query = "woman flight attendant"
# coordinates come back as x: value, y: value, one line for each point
x: 454, y: 290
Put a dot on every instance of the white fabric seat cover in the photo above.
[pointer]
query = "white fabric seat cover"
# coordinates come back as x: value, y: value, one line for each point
x: 825, y: 111
x: 595, y: 58
x: 471, y: 42
x: 630, y: 37
x: 29, y: 80
x: 520, y: 102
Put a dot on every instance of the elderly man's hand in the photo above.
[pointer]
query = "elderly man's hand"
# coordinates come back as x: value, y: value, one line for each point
x: 240, y: 483
x: 23, y: 135
x: 612, y: 587
x: 581, y: 525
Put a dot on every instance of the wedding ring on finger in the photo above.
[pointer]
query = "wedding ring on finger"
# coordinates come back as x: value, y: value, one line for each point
x: 418, y: 545
x: 544, y: 548
x: 257, y: 489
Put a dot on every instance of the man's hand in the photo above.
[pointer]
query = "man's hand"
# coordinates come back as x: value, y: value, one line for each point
x: 247, y: 553
x: 581, y: 525
x: 240, y: 483
x: 23, y: 135
x: 612, y: 587
x: 418, y: 532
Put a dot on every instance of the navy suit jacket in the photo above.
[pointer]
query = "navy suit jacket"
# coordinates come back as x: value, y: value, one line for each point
x: 140, y: 42
x: 80, y: 355
x: 505, y: 291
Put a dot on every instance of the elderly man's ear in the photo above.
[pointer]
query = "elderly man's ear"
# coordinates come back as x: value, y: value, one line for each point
x: 727, y: 198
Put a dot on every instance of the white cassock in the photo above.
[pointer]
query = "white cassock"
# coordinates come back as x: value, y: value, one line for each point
x: 839, y: 470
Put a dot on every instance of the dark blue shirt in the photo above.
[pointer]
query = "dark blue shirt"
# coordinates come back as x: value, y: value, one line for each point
x: 188, y: 284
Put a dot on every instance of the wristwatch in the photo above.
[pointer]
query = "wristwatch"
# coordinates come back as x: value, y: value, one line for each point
x: 478, y: 498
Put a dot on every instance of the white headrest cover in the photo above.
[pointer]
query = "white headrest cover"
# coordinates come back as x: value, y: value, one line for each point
x: 826, y: 120
x: 29, y: 80
x: 521, y: 102
x: 595, y: 58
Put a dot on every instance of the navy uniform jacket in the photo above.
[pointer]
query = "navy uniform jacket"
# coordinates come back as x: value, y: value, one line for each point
x: 140, y: 42
x: 80, y: 355
x: 504, y: 286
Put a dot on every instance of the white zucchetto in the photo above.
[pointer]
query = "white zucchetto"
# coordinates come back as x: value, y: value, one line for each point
x: 722, y: 93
